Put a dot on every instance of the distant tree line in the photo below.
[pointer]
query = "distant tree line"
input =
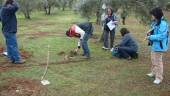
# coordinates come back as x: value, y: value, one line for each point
x: 88, y: 8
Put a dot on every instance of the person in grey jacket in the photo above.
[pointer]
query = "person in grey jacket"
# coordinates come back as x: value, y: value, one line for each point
x: 128, y: 46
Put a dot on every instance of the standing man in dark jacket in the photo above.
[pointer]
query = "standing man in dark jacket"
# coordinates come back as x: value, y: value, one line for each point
x: 9, y: 29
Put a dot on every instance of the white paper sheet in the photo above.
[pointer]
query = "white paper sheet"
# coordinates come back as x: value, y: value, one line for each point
x: 111, y: 25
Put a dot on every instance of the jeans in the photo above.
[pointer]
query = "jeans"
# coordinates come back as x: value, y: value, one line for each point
x: 86, y: 51
x: 12, y: 46
x: 126, y: 52
x: 106, y: 38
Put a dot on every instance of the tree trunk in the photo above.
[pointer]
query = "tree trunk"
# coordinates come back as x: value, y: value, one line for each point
x: 63, y: 9
x: 98, y: 21
x: 27, y: 11
x: 98, y: 12
x: 27, y: 15
x: 45, y: 9
x: 98, y: 15
x: 63, y: 6
x: 49, y: 10
x: 102, y: 37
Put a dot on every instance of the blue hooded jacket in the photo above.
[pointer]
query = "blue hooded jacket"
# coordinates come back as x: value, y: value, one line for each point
x: 160, y: 36
x: 8, y: 17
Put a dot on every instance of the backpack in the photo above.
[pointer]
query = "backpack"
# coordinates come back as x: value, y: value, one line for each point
x: 115, y: 52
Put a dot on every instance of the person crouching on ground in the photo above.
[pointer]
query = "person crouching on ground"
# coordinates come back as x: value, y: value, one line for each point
x: 83, y: 31
x: 128, y: 46
x: 9, y: 29
x: 159, y: 41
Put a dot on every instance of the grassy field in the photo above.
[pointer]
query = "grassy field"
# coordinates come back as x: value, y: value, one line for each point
x: 99, y: 76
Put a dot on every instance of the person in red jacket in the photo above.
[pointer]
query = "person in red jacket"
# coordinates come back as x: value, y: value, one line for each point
x: 83, y: 31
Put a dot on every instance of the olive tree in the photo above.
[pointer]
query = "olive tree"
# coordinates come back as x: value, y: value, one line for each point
x: 48, y: 4
x: 26, y: 6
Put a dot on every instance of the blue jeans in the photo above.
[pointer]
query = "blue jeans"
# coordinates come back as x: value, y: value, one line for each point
x: 106, y: 38
x: 86, y: 51
x: 12, y: 46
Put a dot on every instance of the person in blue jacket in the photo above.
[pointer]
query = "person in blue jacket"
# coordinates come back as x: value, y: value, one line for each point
x: 9, y: 29
x: 159, y: 41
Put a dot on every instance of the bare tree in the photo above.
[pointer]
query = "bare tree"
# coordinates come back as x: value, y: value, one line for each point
x: 48, y: 4
x: 25, y: 7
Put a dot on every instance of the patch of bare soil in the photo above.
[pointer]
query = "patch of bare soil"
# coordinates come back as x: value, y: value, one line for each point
x: 94, y: 38
x: 68, y: 56
x: 6, y: 64
x: 1, y: 49
x: 25, y: 54
x: 165, y: 93
x: 22, y: 87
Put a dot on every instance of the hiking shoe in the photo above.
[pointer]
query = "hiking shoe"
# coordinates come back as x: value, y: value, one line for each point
x: 83, y: 55
x: 105, y: 48
x: 5, y: 54
x: 150, y: 75
x: 86, y: 57
x: 19, y: 62
x: 157, y: 81
x: 129, y: 58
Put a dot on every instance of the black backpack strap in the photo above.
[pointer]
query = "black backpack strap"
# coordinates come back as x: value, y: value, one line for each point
x: 167, y: 38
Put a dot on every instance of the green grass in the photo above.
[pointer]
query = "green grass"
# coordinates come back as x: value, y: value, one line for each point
x: 99, y: 76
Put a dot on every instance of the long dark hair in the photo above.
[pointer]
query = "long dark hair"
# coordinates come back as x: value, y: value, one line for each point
x: 9, y: 2
x: 68, y: 33
x: 124, y: 31
x: 158, y: 14
x: 109, y: 8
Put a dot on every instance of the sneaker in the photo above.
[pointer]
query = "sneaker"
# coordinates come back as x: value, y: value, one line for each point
x: 86, y: 57
x: 105, y: 48
x: 112, y: 49
x: 5, y: 54
x: 157, y: 81
x: 19, y: 62
x: 129, y: 58
x: 150, y: 75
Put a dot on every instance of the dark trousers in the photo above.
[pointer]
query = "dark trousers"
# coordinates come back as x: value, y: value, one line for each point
x: 126, y: 52
x: 106, y: 38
